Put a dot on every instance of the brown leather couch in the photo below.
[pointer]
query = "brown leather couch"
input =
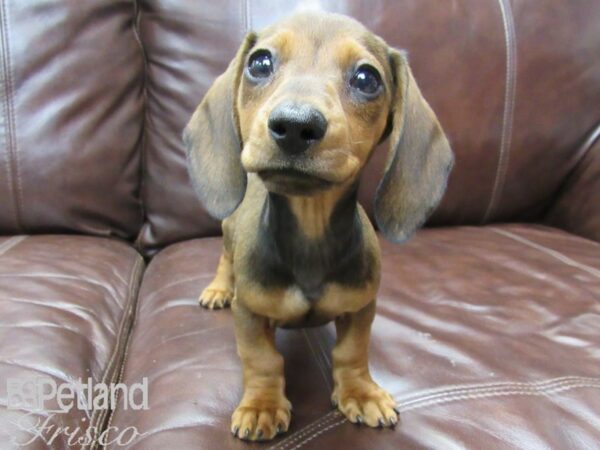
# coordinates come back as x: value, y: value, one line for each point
x: 488, y: 321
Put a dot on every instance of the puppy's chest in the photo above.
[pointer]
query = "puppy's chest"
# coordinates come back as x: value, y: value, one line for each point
x: 283, y: 257
x: 308, y: 265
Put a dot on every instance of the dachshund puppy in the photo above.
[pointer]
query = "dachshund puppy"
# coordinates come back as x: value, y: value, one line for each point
x: 276, y: 150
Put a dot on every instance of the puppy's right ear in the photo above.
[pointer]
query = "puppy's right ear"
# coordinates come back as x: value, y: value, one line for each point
x: 213, y: 144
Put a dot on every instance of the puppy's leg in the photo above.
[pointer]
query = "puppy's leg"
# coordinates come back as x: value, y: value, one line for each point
x: 219, y: 292
x: 355, y: 393
x: 264, y: 410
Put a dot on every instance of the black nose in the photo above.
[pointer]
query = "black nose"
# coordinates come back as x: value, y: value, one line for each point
x: 295, y: 127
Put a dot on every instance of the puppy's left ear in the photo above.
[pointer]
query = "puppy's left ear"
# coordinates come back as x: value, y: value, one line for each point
x: 212, y: 140
x: 419, y: 161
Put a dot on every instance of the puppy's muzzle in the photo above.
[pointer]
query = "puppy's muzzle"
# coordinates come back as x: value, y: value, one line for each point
x: 295, y: 127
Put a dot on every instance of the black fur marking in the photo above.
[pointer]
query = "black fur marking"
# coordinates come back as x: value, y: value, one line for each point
x: 284, y: 256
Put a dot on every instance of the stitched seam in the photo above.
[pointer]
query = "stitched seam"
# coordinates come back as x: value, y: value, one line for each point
x: 317, y: 424
x: 313, y: 436
x: 12, y: 164
x: 327, y: 420
x: 476, y: 394
x: 126, y: 331
x: 501, y: 393
x: 137, y: 11
x: 316, y: 358
x: 6, y: 112
x: 547, y: 386
x: 98, y: 415
x: 557, y: 255
x: 124, y: 362
x: 13, y: 128
x: 12, y: 242
x: 495, y: 385
x: 509, y: 106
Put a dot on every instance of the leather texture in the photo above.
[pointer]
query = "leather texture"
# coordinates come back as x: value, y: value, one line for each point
x: 204, y: 37
x: 577, y: 206
x: 70, y: 118
x: 62, y: 121
x: 515, y: 93
x: 67, y: 307
x: 487, y: 336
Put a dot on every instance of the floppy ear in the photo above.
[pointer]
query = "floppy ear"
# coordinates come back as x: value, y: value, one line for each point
x: 419, y: 161
x: 213, y: 144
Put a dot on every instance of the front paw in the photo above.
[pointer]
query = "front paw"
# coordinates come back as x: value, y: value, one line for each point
x: 362, y: 401
x: 262, y: 417
x: 215, y: 298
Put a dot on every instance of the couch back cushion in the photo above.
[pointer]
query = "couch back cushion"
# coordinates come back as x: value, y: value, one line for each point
x: 71, y: 117
x: 515, y: 85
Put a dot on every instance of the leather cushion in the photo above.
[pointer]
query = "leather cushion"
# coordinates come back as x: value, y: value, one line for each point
x: 71, y: 118
x: 514, y: 90
x: 487, y: 337
x: 577, y: 207
x: 67, y: 307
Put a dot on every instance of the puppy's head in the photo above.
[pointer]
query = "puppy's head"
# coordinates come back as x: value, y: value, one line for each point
x: 303, y: 105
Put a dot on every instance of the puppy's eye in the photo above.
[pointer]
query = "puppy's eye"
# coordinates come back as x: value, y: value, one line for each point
x: 260, y: 64
x: 366, y: 80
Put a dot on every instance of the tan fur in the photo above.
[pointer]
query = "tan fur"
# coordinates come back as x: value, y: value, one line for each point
x: 313, y: 213
x: 355, y: 393
x: 264, y: 409
x: 219, y: 292
x: 309, y: 76
x: 315, y: 55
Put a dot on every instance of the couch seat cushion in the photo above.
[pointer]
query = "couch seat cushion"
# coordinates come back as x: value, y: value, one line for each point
x: 487, y: 336
x: 67, y: 306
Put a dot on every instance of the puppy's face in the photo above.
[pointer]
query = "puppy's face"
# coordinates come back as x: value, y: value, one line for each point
x: 312, y: 105
x: 303, y: 104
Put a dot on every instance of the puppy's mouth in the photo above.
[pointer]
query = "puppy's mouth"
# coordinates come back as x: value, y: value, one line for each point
x: 292, y: 181
x: 299, y: 175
